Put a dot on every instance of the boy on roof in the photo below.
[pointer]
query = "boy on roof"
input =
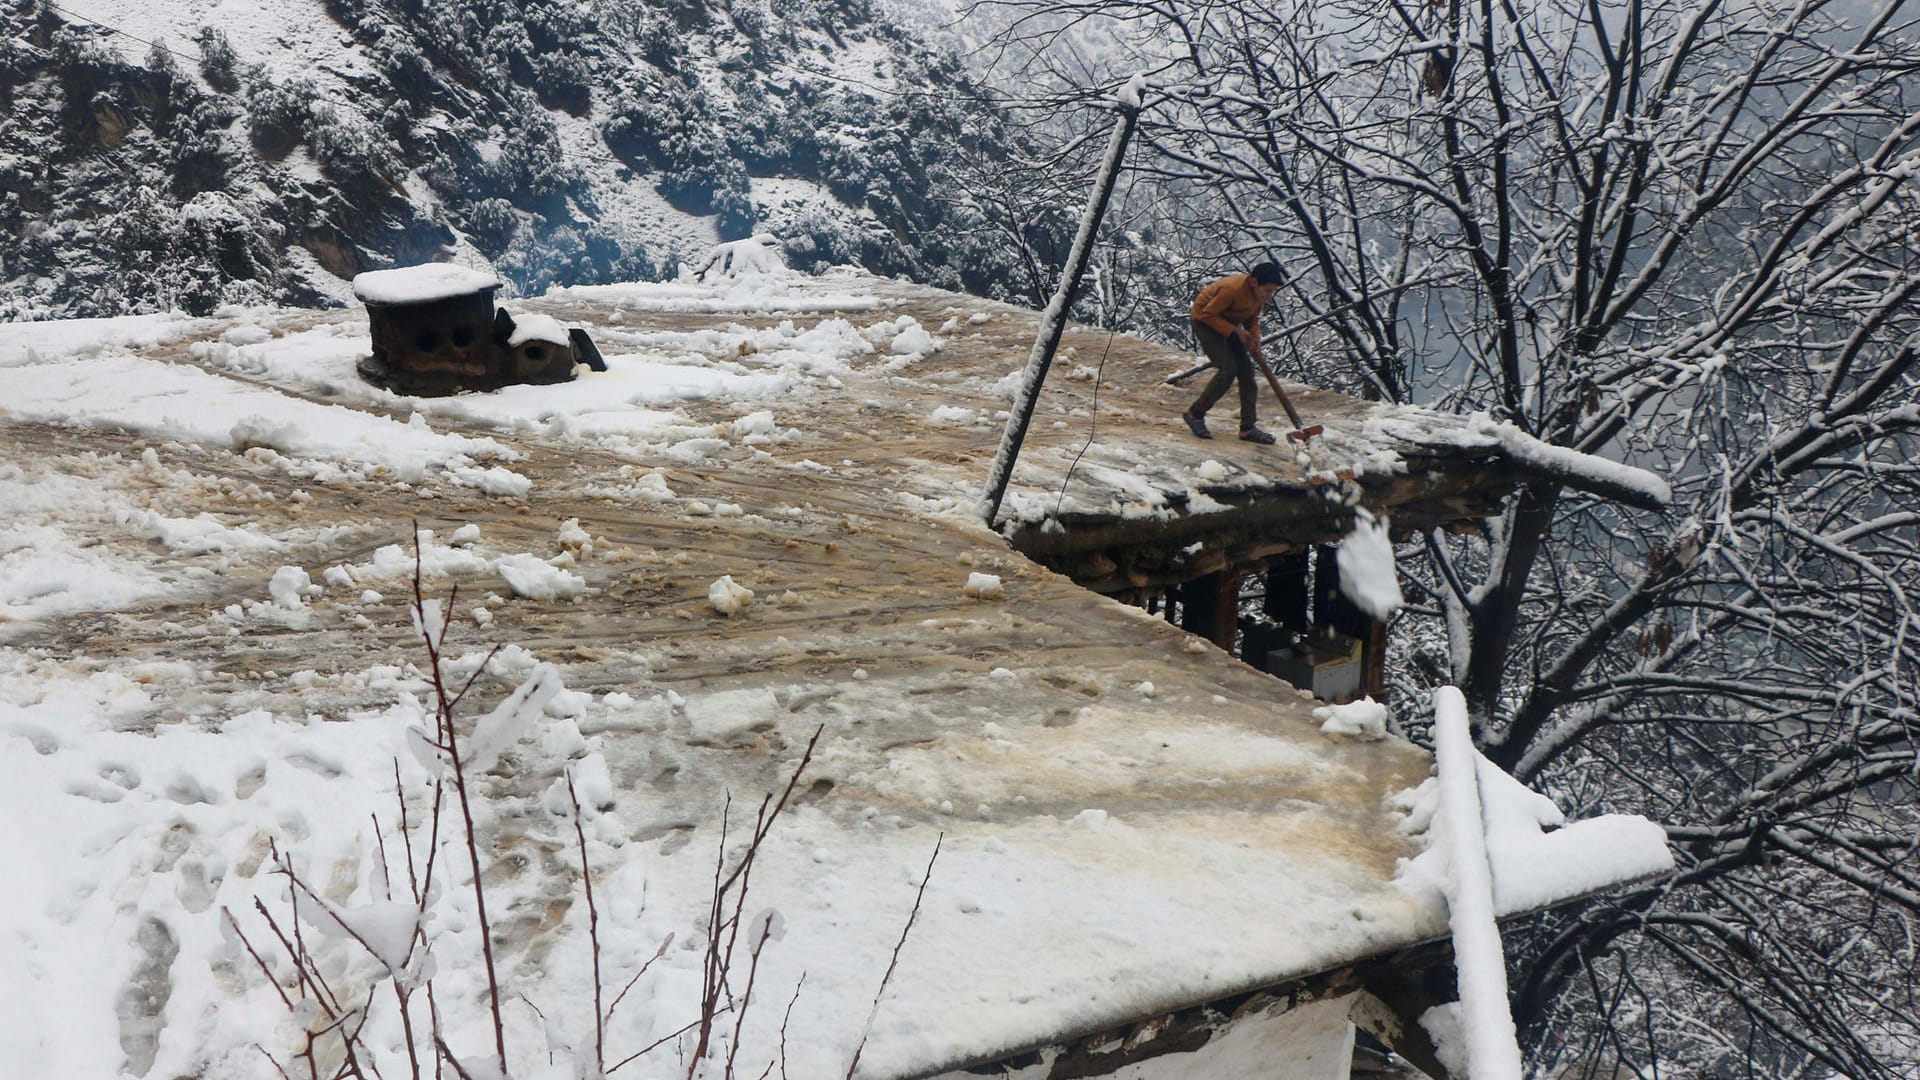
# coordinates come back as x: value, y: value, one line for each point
x: 1226, y: 321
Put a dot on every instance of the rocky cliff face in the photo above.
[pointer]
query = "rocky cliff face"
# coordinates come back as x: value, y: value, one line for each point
x: 192, y: 155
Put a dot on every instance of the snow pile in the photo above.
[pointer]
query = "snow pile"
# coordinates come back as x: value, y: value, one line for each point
x: 1367, y: 573
x: 26, y: 343
x: 304, y: 438
x: 756, y: 256
x: 903, y: 337
x: 1365, y: 719
x: 1538, y: 858
x: 728, y: 596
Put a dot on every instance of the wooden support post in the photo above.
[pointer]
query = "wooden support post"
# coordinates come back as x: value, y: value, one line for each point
x: 1209, y: 607
x: 1373, y: 661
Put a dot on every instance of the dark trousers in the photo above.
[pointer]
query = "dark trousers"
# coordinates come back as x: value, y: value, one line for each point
x: 1230, y: 364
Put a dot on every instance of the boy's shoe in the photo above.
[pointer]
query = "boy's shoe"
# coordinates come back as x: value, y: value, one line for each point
x: 1198, y: 426
x: 1255, y: 435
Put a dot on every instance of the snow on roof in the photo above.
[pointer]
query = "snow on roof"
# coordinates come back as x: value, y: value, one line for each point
x: 421, y: 284
x: 1132, y: 820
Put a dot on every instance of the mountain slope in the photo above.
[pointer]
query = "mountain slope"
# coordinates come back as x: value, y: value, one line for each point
x: 204, y: 153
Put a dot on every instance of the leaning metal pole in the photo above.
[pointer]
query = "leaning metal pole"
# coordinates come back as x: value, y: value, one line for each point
x: 1054, y: 321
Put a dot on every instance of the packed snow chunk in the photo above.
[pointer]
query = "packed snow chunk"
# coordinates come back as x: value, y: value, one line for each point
x: 755, y: 423
x: 903, y: 337
x: 257, y: 431
x: 1211, y: 471
x: 983, y: 587
x: 385, y: 927
x: 1367, y: 573
x: 464, y: 535
x: 542, y: 328
x: 575, y: 539
x: 1365, y: 719
x: 1091, y: 819
x: 509, y: 720
x: 530, y: 577
x: 420, y: 284
x: 1443, y: 1026
x: 289, y: 587
x: 592, y: 785
x: 493, y: 480
x: 913, y: 339
x: 728, y: 596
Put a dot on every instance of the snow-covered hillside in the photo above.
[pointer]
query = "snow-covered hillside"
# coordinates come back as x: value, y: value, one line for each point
x: 189, y: 155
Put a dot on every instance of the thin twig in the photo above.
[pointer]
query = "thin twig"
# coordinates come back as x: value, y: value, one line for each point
x: 406, y: 831
x: 386, y: 868
x: 447, y: 1054
x: 783, y: 1024
x: 654, y: 1045
x: 746, y: 996
x: 444, y: 716
x: 264, y: 970
x: 276, y: 1064
x: 593, y: 929
x: 658, y: 953
x: 891, y: 964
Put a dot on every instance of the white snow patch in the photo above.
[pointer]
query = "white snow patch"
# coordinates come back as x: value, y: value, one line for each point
x: 728, y: 596
x: 529, y: 326
x: 983, y: 587
x: 1365, y: 719
x: 532, y: 577
x: 288, y: 587
x: 1368, y: 576
x: 422, y: 284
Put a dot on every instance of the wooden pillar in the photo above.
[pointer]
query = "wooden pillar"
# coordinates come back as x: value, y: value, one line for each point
x: 1209, y: 607
x: 1373, y: 661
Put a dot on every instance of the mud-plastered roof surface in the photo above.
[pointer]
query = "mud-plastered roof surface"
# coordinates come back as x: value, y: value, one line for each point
x: 208, y: 646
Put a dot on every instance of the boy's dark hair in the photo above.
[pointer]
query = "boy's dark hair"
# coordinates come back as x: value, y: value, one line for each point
x: 1267, y: 273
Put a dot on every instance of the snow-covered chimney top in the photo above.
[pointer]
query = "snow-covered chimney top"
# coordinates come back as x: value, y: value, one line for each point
x: 420, y: 284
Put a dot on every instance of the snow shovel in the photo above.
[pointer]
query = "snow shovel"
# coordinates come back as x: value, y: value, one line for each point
x: 1301, y: 432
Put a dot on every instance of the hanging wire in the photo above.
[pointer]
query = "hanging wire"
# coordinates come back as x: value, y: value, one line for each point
x: 1093, y: 423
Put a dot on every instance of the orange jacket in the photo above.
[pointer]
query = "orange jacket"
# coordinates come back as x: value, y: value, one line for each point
x: 1229, y: 303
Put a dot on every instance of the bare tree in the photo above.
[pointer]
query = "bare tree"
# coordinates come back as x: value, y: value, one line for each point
x: 1674, y: 233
